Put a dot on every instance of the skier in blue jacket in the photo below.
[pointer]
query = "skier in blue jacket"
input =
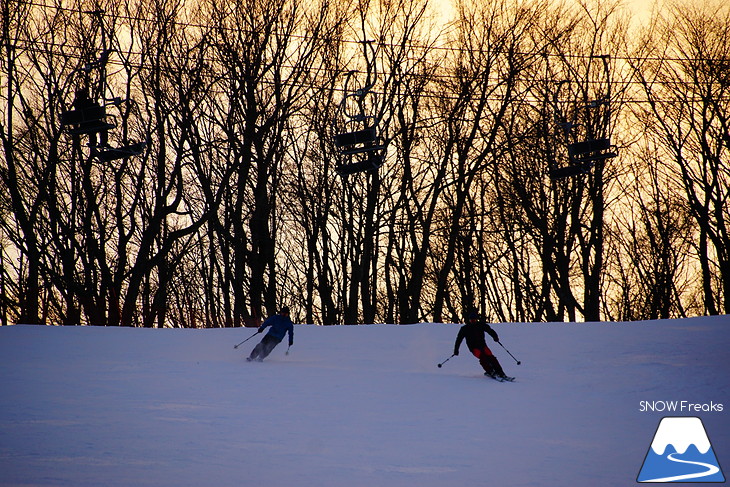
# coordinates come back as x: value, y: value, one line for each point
x: 280, y: 325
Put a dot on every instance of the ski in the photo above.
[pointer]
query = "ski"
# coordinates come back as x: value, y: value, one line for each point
x: 500, y: 379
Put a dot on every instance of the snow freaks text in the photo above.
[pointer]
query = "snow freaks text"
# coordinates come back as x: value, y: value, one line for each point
x: 679, y: 407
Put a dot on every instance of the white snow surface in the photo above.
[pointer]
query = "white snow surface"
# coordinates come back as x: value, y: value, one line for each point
x: 351, y: 405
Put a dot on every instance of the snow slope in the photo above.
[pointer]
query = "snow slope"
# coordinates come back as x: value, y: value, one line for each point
x: 352, y: 405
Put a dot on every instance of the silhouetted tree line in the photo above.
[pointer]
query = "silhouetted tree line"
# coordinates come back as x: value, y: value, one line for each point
x: 234, y: 206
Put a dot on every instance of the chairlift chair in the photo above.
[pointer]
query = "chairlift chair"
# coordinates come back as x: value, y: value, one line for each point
x: 361, y: 149
x: 88, y: 117
x: 86, y: 120
x: 373, y: 161
x: 582, y: 155
x: 363, y: 143
x: 591, y: 150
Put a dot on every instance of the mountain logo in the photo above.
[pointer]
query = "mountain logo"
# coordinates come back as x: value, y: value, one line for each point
x: 680, y: 452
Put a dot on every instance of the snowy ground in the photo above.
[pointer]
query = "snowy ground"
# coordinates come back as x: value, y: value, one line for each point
x: 351, y: 406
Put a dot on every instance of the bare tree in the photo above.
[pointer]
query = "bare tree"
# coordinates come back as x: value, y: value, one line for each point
x: 22, y: 200
x: 687, y: 85
x: 489, y: 60
x: 655, y: 242
x: 413, y: 178
x: 559, y: 225
x: 268, y: 56
x: 312, y: 195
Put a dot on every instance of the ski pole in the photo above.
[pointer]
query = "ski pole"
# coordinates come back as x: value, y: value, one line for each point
x: 505, y: 348
x: 287, y: 349
x: 442, y: 363
x: 247, y: 339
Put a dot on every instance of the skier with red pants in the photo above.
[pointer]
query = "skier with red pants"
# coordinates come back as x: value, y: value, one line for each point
x: 474, y: 331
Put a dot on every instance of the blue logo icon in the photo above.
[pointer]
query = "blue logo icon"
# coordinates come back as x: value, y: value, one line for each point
x: 680, y: 452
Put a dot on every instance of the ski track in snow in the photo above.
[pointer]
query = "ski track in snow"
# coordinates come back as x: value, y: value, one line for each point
x: 711, y: 470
